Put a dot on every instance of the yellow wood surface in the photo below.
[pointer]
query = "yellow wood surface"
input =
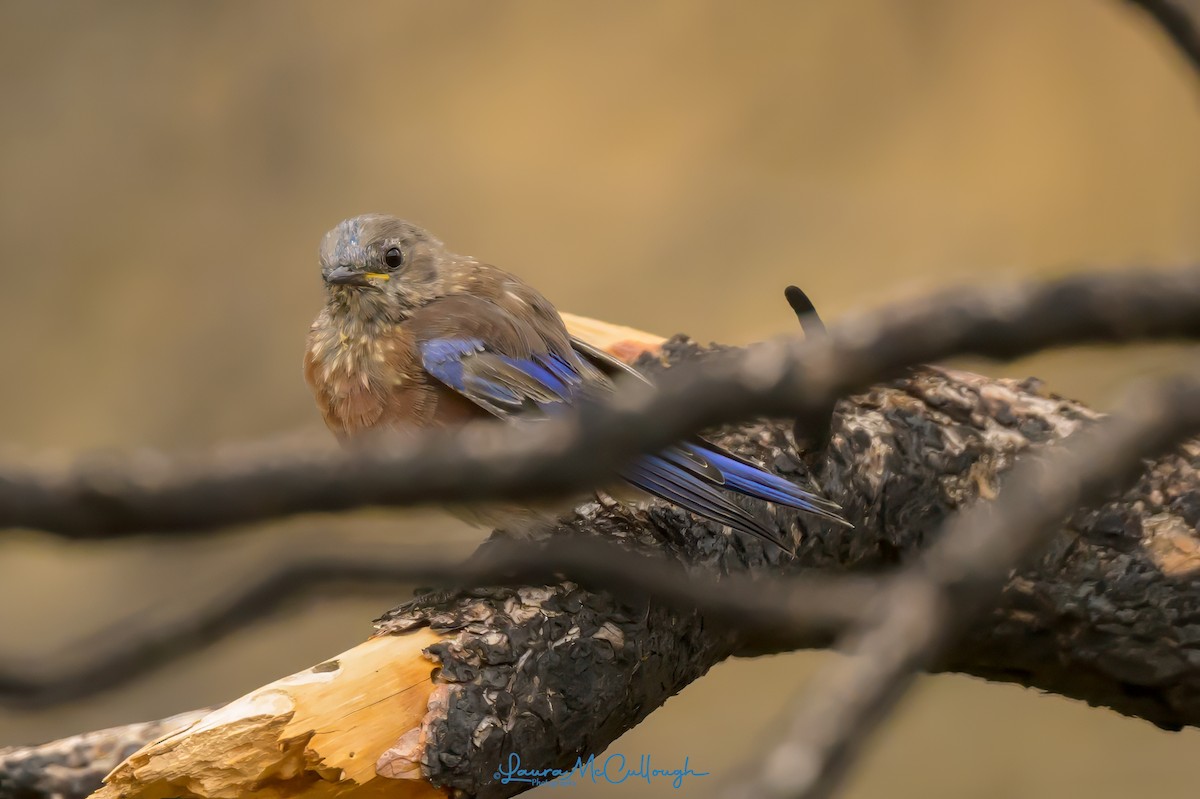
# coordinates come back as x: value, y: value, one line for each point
x: 316, y: 733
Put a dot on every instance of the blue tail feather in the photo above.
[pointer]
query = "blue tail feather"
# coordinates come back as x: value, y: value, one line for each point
x: 746, y: 478
x: 668, y: 481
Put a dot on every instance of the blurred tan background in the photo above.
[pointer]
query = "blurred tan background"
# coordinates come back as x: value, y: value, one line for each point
x: 167, y: 168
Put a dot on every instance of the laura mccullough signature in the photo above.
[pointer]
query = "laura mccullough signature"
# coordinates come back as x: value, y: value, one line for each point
x: 612, y: 769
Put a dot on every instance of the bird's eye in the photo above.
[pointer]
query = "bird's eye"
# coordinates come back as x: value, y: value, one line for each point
x: 393, y: 258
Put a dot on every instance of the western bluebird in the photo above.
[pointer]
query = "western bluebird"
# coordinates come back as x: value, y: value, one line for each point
x: 414, y: 335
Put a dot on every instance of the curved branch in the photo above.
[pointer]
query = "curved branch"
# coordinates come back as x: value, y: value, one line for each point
x: 769, y: 612
x: 151, y: 493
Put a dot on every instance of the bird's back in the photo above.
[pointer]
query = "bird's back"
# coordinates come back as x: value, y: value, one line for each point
x: 437, y: 339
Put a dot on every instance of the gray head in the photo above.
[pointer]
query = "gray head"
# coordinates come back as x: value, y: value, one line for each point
x: 379, y: 265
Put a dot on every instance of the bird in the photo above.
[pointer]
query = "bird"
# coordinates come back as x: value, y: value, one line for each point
x: 413, y: 335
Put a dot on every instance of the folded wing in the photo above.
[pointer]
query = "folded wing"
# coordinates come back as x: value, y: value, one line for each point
x: 511, y: 369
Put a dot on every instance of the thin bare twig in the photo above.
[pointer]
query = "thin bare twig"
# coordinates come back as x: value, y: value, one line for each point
x: 123, y: 496
x: 1178, y: 23
x: 811, y: 435
x: 805, y: 310
x: 768, y: 613
x: 929, y: 603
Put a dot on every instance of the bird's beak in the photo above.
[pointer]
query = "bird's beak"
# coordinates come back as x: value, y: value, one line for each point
x: 347, y: 276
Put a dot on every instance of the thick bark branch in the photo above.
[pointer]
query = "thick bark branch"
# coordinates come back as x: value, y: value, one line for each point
x: 929, y: 602
x: 1108, y: 614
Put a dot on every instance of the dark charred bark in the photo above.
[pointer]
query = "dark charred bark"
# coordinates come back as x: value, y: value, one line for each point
x: 1109, y: 613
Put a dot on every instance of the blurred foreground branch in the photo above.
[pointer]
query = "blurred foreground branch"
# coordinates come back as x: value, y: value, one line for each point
x: 777, y: 614
x: 154, y: 493
x: 1180, y: 21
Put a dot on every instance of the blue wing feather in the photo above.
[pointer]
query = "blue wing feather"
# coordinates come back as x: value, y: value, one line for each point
x: 564, y: 369
x: 691, y: 475
x: 442, y: 358
x: 502, y: 384
x: 542, y: 374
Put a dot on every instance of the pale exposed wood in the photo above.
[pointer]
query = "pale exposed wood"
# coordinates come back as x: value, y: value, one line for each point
x: 317, y: 733
x: 626, y: 343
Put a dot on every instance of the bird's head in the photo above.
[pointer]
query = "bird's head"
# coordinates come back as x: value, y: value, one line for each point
x: 378, y: 265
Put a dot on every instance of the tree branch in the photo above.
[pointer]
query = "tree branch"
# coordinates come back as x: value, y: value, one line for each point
x: 153, y: 493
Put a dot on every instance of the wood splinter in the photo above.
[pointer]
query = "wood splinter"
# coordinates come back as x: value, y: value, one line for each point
x: 332, y: 730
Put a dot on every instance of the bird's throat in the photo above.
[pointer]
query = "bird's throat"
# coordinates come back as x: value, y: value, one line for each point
x: 364, y: 308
